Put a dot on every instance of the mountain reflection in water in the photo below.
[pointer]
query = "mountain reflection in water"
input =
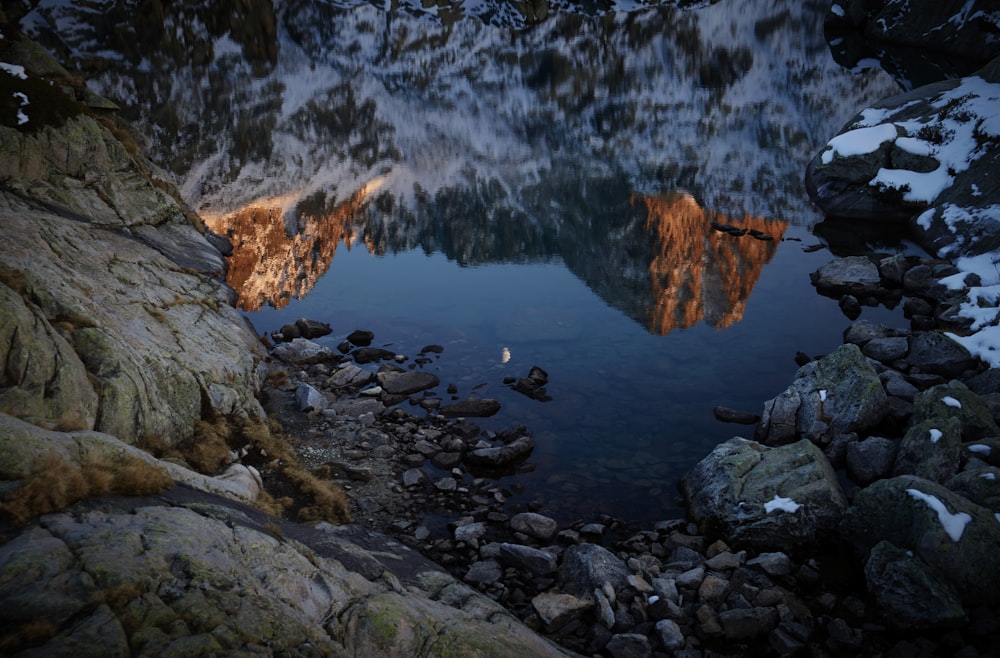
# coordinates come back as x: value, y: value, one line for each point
x: 696, y: 272
x: 539, y: 181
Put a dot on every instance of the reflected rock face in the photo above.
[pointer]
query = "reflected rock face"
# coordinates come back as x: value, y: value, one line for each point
x: 273, y: 262
x: 698, y: 272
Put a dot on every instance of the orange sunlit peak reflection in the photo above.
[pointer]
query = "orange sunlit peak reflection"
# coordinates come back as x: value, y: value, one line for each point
x: 275, y: 261
x: 700, y: 274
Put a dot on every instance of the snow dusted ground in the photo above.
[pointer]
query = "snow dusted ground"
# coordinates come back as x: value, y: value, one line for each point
x: 964, y: 130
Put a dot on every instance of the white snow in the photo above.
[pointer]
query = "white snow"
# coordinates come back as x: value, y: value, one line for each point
x: 860, y: 141
x: 781, y: 504
x: 988, y: 476
x: 15, y: 70
x: 22, y: 118
x: 837, y: 10
x: 951, y: 402
x: 935, y: 436
x: 822, y: 395
x: 653, y: 599
x: 954, y: 524
x: 979, y: 449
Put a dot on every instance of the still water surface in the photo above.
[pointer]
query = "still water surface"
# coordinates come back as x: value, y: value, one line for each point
x: 522, y: 188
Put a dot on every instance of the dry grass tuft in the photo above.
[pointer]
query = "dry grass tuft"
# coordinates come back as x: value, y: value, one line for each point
x: 118, y: 597
x: 14, y: 279
x: 328, y: 500
x: 71, y: 421
x: 30, y: 633
x: 270, y: 505
x: 54, y: 484
x: 208, y: 450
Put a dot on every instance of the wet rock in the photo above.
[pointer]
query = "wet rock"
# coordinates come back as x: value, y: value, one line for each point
x: 501, y: 457
x: 850, y: 306
x: 364, y: 355
x: 951, y: 534
x: 908, y: 592
x: 361, y: 337
x: 932, y: 351
x: 472, y: 408
x: 837, y: 394
x: 854, y: 275
x: 871, y: 459
x: 540, y: 527
x: 763, y: 497
x: 586, y: 567
x: 727, y: 415
x: 406, y: 382
x: 311, y: 328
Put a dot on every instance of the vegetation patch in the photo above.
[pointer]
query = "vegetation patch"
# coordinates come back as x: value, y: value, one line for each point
x: 290, y: 489
x: 53, y: 484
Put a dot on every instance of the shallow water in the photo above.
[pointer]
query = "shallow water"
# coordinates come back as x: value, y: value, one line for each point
x: 522, y: 195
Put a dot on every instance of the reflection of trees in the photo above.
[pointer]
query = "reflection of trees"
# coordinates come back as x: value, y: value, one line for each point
x: 697, y: 273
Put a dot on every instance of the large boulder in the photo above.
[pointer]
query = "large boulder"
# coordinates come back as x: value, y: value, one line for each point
x: 955, y: 536
x: 766, y: 498
x: 115, y: 293
x: 954, y: 400
x: 931, y: 449
x: 838, y: 394
x: 184, y: 576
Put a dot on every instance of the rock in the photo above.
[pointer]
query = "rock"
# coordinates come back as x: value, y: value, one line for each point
x: 501, y: 457
x: 871, y: 459
x: 930, y: 449
x: 302, y: 352
x: 312, y: 328
x: 361, y: 337
x: 955, y: 400
x: 556, y: 609
x: 838, y: 394
x: 472, y: 407
x: 406, y: 382
x: 535, y: 560
x: 727, y: 415
x: 862, y: 331
x: 956, y: 537
x: 628, y: 645
x: 349, y: 377
x: 980, y: 485
x: 413, y: 477
x: 669, y: 634
x: 586, y: 567
x: 934, y: 352
x: 538, y: 526
x: 309, y: 399
x: 765, y: 498
x: 471, y: 532
x: 484, y: 572
x: 773, y: 563
x: 886, y: 350
x: 854, y: 275
x: 896, y: 385
x: 741, y: 624
x: 909, y: 593
x: 364, y: 355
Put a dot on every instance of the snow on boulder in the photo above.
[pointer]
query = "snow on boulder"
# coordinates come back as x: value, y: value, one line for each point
x: 953, y: 535
x: 766, y: 498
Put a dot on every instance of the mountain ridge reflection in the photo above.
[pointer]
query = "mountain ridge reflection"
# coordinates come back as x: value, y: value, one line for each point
x: 695, y: 272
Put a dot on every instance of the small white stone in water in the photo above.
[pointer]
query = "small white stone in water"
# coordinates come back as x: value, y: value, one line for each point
x: 935, y: 435
x: 951, y: 402
x: 822, y: 395
x: 373, y: 391
x: 979, y: 449
x: 783, y: 504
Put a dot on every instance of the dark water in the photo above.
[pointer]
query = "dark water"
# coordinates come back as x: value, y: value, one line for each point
x: 523, y: 190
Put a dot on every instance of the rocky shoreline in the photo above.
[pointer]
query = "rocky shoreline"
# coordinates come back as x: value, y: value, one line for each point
x: 711, y: 584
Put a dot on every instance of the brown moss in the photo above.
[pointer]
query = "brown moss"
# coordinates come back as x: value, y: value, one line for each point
x: 51, y: 485
x: 118, y: 597
x: 31, y: 633
x: 72, y: 421
x: 14, y: 279
x: 54, y: 484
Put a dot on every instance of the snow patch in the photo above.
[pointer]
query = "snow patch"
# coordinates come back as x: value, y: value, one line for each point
x: 979, y: 449
x: 822, y: 395
x: 954, y: 524
x: 935, y: 436
x: 860, y: 141
x: 951, y: 402
x: 781, y: 504
x: 988, y: 476
x: 15, y: 70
